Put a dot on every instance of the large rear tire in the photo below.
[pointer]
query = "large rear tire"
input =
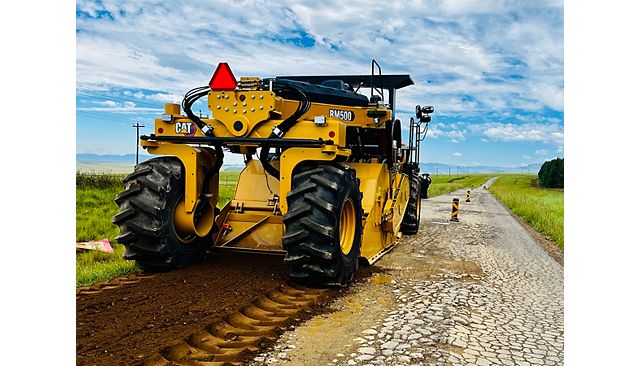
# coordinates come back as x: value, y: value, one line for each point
x: 323, y: 225
x: 411, y: 220
x: 146, y: 218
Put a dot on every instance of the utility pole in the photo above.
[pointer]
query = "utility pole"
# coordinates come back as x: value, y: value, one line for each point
x: 137, y: 127
x: 449, y: 172
x: 437, y: 172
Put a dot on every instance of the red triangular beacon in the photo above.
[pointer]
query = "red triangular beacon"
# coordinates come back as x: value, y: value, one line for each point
x: 223, y: 78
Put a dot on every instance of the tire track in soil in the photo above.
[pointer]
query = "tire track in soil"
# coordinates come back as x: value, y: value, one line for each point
x: 233, y: 341
x: 131, y: 324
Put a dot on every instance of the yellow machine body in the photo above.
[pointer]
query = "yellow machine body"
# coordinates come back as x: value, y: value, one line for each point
x: 252, y: 219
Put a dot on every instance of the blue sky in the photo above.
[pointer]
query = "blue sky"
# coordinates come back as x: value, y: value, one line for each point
x: 493, y: 70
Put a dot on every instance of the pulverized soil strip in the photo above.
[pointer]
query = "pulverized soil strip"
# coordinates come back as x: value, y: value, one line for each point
x: 111, y: 284
x: 242, y: 333
x: 131, y: 324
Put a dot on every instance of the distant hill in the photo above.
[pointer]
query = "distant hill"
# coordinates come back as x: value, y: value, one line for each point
x: 232, y: 168
x: 438, y: 168
x: 95, y: 158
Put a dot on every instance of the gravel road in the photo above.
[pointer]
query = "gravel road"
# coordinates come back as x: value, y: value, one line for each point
x: 477, y: 292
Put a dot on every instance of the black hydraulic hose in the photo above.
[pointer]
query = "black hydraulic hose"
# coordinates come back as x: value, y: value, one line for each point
x: 215, y: 169
x: 189, y: 99
x: 264, y: 159
x: 283, y: 127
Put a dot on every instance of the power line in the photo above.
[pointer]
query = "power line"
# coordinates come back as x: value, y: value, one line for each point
x: 137, y: 127
x: 103, y: 117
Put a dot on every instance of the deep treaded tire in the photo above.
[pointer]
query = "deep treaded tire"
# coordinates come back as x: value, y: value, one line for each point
x: 146, y: 217
x: 411, y: 219
x: 323, y: 225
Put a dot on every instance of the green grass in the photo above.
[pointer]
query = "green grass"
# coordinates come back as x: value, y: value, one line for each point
x: 227, y: 187
x: 541, y: 208
x: 95, y: 208
x: 443, y: 184
x: 94, y: 266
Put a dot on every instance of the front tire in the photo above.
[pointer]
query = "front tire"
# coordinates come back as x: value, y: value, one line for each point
x: 146, y: 218
x: 323, y: 225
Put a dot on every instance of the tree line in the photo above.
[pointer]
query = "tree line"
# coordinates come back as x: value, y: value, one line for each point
x: 551, y: 174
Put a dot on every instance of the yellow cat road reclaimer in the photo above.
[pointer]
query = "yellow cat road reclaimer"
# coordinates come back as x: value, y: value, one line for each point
x: 327, y: 181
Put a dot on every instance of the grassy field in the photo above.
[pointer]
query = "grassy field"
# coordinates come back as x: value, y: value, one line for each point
x: 443, y: 184
x: 541, y: 208
x: 95, y: 208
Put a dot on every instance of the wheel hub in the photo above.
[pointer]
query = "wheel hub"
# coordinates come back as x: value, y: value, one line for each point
x: 347, y: 226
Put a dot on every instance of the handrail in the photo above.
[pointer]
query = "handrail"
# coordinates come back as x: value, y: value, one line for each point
x: 381, y: 89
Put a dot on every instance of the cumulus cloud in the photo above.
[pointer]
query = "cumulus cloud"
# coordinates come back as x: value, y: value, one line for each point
x: 126, y: 107
x: 531, y: 132
x: 451, y: 131
x: 456, y: 154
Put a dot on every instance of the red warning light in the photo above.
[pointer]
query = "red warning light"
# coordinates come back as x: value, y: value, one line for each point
x: 223, y: 78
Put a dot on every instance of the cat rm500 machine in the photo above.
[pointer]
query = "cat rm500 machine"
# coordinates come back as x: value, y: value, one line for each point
x: 327, y: 180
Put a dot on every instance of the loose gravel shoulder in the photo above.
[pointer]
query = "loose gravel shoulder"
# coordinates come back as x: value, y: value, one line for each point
x: 477, y: 292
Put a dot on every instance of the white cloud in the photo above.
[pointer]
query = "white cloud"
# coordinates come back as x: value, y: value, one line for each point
x: 541, y: 152
x: 450, y: 131
x: 526, y: 157
x: 457, y: 154
x: 531, y: 132
x: 106, y: 103
x: 126, y: 107
x: 164, y: 97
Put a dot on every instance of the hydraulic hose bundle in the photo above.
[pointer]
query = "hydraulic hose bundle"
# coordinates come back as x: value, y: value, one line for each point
x: 278, y: 131
x: 284, y: 126
x: 191, y: 97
